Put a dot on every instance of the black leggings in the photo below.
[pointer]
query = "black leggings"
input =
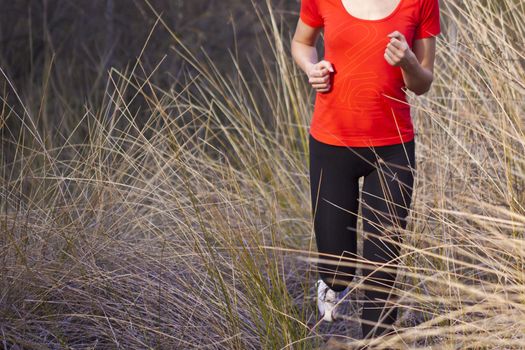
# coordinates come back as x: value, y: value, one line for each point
x: 385, y: 200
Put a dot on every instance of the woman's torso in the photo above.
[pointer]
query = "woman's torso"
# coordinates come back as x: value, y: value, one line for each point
x: 366, y: 104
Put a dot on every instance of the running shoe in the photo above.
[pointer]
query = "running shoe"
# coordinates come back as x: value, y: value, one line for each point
x: 327, y: 300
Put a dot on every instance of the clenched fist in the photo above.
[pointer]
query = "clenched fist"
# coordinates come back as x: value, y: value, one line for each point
x: 319, y: 75
x: 397, y: 52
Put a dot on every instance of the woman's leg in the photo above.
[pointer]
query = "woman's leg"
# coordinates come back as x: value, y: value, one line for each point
x: 386, y: 199
x: 334, y: 199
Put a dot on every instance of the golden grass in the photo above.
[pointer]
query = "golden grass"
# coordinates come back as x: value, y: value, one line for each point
x: 191, y: 228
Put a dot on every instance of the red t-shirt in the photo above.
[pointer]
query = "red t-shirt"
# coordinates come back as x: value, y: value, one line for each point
x: 366, y: 105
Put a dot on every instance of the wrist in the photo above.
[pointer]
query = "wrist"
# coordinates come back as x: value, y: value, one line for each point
x: 308, y: 67
x: 411, y: 63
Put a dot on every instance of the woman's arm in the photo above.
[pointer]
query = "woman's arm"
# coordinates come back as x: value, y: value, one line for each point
x: 303, y: 47
x: 418, y: 73
x: 417, y: 65
x: 305, y: 55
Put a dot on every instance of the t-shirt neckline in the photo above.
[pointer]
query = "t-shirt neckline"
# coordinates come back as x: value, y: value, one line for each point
x: 371, y: 20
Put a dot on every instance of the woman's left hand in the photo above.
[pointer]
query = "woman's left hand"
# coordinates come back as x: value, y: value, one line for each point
x: 397, y: 52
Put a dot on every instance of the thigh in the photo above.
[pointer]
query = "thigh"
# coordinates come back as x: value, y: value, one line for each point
x: 387, y: 189
x: 334, y: 195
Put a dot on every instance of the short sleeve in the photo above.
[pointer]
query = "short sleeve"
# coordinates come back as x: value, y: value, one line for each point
x: 310, y: 13
x: 428, y: 25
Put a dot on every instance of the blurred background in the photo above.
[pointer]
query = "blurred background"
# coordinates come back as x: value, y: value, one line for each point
x: 85, y: 38
x: 68, y: 48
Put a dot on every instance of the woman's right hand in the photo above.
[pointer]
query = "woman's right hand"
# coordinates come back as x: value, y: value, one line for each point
x: 319, y: 75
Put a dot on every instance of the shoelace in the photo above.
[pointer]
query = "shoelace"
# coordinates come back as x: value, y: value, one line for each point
x: 325, y: 291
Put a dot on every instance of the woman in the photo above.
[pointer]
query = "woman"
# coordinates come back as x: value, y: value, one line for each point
x: 361, y: 127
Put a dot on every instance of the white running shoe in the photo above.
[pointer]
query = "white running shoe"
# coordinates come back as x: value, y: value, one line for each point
x: 327, y: 299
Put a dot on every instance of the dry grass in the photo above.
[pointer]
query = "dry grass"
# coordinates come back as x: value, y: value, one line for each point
x: 192, y: 228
